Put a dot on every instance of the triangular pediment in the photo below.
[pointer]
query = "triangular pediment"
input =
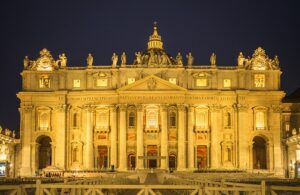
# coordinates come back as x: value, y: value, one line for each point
x: 152, y: 83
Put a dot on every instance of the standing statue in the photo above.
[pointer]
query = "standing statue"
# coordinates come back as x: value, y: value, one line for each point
x: 276, y: 61
x: 190, y: 59
x: 138, y: 58
x: 123, y: 59
x: 63, y: 60
x: 13, y: 134
x: 89, y: 60
x: 241, y: 59
x: 26, y: 62
x: 164, y: 59
x: 114, y: 60
x: 213, y: 59
x: 179, y: 59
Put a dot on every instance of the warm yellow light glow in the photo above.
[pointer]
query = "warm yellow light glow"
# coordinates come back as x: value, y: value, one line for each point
x: 130, y: 80
x: 260, y: 120
x: 201, y: 82
x: 76, y: 83
x: 173, y: 80
x: 101, y: 82
x: 227, y: 83
x: 44, y: 81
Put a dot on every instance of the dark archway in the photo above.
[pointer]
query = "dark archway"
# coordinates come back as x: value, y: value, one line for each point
x: 172, y: 162
x: 131, y: 161
x: 259, y: 153
x: 44, y: 152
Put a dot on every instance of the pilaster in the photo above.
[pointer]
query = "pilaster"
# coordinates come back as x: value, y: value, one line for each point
x: 122, y: 138
x: 140, y: 137
x: 181, y: 159
x: 191, y: 135
x: 164, y: 137
x: 113, y: 136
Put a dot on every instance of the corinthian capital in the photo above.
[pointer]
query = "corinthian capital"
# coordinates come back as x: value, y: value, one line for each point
x: 164, y: 107
x: 241, y: 107
x: 181, y: 107
x: 277, y: 108
x: 215, y: 107
x: 122, y: 107
x: 113, y: 108
x: 139, y: 107
x: 27, y: 108
x: 59, y: 108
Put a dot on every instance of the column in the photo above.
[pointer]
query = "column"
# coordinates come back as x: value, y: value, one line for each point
x: 34, y: 156
x: 122, y: 137
x: 88, y: 153
x: 275, y: 148
x: 181, y: 158
x: 164, y: 137
x: 26, y: 129
x: 59, y: 156
x: 242, y: 139
x: 216, y: 126
x: 113, y: 136
x: 139, y: 138
x: 53, y: 152
x: 191, y: 124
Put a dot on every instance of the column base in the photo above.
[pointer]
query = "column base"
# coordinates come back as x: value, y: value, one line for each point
x: 181, y: 169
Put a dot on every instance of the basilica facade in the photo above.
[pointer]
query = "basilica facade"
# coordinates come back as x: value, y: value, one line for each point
x: 157, y: 112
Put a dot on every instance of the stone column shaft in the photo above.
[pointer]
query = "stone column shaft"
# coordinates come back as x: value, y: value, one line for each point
x: 164, y: 138
x: 122, y: 141
x: 113, y: 137
x: 181, y: 158
x: 216, y: 126
x: 88, y: 149
x: 60, y: 129
x: 191, y: 123
x: 26, y: 129
x: 140, y: 138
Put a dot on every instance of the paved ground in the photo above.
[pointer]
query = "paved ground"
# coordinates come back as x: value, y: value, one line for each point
x: 151, y: 179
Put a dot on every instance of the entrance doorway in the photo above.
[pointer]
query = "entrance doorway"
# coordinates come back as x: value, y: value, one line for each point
x: 152, y: 154
x: 172, y: 162
x: 131, y: 161
x: 259, y: 153
x: 45, y: 152
x: 102, y: 157
x: 202, y: 156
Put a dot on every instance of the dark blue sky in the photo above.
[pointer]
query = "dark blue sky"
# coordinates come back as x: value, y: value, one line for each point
x: 104, y: 27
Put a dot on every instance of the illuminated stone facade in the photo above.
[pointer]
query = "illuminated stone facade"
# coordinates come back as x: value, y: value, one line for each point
x: 157, y: 112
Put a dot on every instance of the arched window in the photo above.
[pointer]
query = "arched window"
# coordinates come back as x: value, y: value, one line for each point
x: 227, y: 120
x: 260, y: 120
x: 131, y: 120
x: 152, y: 119
x: 75, y: 120
x: 44, y: 121
x: 172, y: 119
x: 202, y: 118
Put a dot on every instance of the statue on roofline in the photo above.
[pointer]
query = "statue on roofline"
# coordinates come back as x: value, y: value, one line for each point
x: 138, y: 58
x: 63, y: 60
x: 179, y: 59
x: 123, y: 59
x: 190, y: 59
x: 26, y: 62
x: 89, y: 60
x: 241, y: 59
x: 213, y: 59
x: 114, y: 60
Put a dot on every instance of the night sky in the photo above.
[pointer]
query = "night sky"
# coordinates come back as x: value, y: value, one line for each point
x: 103, y: 27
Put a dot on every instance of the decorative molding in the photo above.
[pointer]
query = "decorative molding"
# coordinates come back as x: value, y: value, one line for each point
x: 215, y: 107
x: 163, y: 107
x: 241, y: 107
x: 276, y: 108
x: 60, y: 108
x: 139, y: 107
x: 122, y: 107
x: 181, y: 107
x: 151, y: 83
x: 27, y: 108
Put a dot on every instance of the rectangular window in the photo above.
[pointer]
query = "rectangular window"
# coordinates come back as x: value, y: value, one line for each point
x: 76, y: 83
x: 44, y: 81
x: 101, y: 82
x: 227, y: 83
x: 130, y: 80
x: 173, y: 80
x: 201, y: 82
x: 259, y: 80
